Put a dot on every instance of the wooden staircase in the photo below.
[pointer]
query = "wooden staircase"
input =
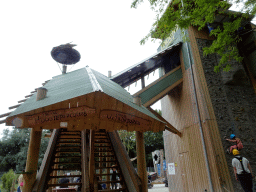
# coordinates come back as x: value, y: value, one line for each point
x: 90, y: 156
x: 66, y: 158
x: 105, y: 162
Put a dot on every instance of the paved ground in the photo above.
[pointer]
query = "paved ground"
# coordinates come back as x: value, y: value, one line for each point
x: 159, y: 188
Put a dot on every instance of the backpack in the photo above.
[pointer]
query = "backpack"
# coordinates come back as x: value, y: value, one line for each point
x: 240, y: 159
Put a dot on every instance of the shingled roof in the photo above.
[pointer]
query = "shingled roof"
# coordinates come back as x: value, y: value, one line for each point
x: 76, y: 84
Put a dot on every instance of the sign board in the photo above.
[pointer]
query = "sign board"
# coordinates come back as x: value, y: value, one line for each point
x: 59, y: 115
x: 124, y: 118
x: 171, y: 168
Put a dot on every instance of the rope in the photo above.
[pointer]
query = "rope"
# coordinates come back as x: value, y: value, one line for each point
x: 59, y: 67
x: 71, y: 68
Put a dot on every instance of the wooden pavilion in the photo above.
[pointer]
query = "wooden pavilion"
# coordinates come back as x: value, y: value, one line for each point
x: 84, y: 109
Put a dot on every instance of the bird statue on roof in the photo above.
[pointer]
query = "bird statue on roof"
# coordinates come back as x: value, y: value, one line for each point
x: 65, y: 54
x: 67, y: 45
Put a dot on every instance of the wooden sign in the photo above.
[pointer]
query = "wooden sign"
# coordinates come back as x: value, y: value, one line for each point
x: 59, y: 115
x: 124, y: 118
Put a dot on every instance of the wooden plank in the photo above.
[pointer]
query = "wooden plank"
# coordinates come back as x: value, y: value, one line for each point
x: 162, y: 94
x: 28, y: 95
x: 23, y: 100
x: 15, y: 106
x: 170, y: 127
x: 91, y: 162
x: 85, y: 165
x: 5, y: 114
x: 156, y: 81
x: 41, y: 176
x: 131, y: 178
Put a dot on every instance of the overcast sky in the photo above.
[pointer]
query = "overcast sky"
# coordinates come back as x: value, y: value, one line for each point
x: 107, y: 34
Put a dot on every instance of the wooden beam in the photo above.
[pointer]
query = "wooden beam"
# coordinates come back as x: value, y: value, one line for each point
x: 156, y: 81
x: 32, y: 159
x: 141, y: 160
x: 41, y: 176
x: 162, y: 94
x: 169, y: 127
x: 28, y: 95
x: 91, y: 163
x: 85, y: 164
x: 15, y: 106
x: 4, y: 115
x: 23, y: 100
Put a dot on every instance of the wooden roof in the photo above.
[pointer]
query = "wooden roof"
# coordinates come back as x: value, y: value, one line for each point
x: 141, y: 69
x: 84, y: 99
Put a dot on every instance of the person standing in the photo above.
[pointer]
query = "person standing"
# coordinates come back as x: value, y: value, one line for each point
x: 242, y: 171
x: 20, y: 182
x: 114, y: 178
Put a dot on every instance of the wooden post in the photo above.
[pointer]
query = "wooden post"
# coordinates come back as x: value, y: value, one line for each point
x: 91, y: 163
x: 108, y: 170
x: 141, y: 160
x: 85, y: 165
x: 32, y: 160
x: 162, y: 162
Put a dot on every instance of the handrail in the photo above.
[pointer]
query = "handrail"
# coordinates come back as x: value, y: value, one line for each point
x: 131, y: 178
x: 41, y: 176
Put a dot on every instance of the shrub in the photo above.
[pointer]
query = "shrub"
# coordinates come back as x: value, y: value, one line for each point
x: 8, y: 178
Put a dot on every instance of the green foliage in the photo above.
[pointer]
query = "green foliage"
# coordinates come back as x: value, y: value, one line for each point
x: 8, y: 179
x: 13, y: 149
x: 128, y: 139
x: 199, y: 13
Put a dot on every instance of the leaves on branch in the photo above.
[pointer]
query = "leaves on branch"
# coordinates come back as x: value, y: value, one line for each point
x: 199, y: 13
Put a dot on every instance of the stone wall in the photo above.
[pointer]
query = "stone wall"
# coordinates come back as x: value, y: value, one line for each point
x: 234, y: 103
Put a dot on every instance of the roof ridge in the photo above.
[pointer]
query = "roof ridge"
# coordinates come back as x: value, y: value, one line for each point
x: 95, y: 84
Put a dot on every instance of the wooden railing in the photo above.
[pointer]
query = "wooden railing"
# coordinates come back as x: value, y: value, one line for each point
x: 41, y: 176
x: 131, y: 178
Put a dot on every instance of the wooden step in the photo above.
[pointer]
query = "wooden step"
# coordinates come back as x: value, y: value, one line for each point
x: 64, y: 184
x: 61, y: 156
x: 68, y: 145
x: 65, y: 169
x: 64, y: 163
x: 64, y: 176
x: 58, y: 142
x: 108, y: 151
x: 106, y: 174
x: 67, y: 151
x: 70, y: 131
x: 58, y: 147
x: 117, y: 181
x: 95, y: 146
x: 70, y: 150
x: 104, y: 167
x: 112, y: 190
x: 105, y: 156
x: 105, y: 161
x: 69, y: 138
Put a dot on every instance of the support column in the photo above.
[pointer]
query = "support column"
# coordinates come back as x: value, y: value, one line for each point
x: 32, y: 160
x: 85, y: 162
x: 141, y: 160
x: 92, y: 163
